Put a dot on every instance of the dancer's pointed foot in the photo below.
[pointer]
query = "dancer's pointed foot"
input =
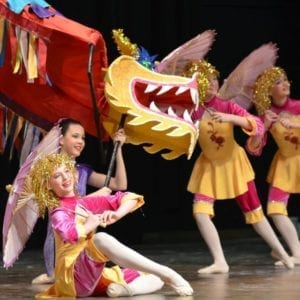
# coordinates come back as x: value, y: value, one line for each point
x: 43, y: 279
x: 178, y: 283
x: 182, y: 289
x: 286, y: 261
x: 295, y: 259
x: 214, y: 269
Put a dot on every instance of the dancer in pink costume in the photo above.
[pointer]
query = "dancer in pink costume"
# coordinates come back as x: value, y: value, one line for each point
x: 223, y: 171
x: 280, y: 115
x: 81, y: 253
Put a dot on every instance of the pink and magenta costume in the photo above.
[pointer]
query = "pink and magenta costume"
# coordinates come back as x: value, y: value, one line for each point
x: 80, y: 266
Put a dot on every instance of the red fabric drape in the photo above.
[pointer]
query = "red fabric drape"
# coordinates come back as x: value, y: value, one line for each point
x: 67, y: 57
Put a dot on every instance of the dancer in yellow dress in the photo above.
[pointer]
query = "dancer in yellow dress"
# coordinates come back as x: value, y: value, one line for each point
x: 222, y: 170
x: 281, y: 117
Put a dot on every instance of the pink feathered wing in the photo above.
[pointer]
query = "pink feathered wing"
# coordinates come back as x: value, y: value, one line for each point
x: 194, y: 49
x: 21, y: 213
x: 239, y: 84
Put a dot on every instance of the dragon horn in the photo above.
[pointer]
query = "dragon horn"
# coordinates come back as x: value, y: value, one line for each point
x: 125, y: 47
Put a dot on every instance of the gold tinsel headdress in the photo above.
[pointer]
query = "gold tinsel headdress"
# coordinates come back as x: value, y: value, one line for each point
x: 39, y: 176
x: 204, y: 70
x: 262, y: 86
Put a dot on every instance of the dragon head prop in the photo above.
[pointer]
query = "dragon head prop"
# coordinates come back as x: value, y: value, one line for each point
x: 158, y: 107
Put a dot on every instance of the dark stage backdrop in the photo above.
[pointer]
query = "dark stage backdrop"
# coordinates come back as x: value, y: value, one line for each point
x: 161, y: 26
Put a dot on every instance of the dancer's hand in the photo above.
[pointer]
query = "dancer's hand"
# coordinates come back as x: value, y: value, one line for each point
x: 220, y: 117
x: 224, y: 117
x: 270, y: 117
x: 120, y: 136
x: 92, y: 222
x: 109, y: 217
x: 285, y: 122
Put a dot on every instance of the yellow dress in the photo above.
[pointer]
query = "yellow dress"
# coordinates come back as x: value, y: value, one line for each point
x: 284, y: 172
x: 222, y: 170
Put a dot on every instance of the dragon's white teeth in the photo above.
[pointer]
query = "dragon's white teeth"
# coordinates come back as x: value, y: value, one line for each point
x: 187, y: 117
x: 171, y: 112
x: 150, y: 88
x: 197, y: 123
x: 195, y: 97
x: 164, y: 89
x: 153, y: 107
x: 181, y: 90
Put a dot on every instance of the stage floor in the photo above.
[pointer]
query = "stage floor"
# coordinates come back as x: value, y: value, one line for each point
x: 252, y: 272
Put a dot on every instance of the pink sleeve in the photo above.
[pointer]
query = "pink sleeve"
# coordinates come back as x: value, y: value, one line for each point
x: 294, y: 106
x: 235, y: 109
x: 64, y: 224
x: 258, y: 129
x: 98, y: 204
x: 256, y: 122
x: 257, y: 150
x: 197, y: 114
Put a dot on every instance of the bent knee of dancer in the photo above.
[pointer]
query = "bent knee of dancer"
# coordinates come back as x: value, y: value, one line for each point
x: 103, y: 240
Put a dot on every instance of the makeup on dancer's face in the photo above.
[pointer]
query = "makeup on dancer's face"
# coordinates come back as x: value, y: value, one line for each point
x: 73, y: 141
x: 280, y: 91
x: 213, y: 86
x: 61, y: 181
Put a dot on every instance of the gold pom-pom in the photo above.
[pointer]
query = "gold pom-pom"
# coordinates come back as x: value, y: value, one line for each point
x: 261, y: 92
x: 8, y: 188
x: 125, y: 47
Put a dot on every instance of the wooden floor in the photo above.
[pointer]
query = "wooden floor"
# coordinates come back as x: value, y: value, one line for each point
x: 252, y: 272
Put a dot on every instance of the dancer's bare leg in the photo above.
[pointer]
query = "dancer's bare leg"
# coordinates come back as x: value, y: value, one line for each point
x: 126, y: 257
x: 290, y: 235
x: 144, y: 284
x: 264, y: 229
x: 211, y: 238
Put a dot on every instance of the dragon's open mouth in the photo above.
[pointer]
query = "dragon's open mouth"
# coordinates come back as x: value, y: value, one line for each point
x: 174, y: 100
x: 158, y: 107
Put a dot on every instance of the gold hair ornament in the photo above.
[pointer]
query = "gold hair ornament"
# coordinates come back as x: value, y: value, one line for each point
x: 39, y: 176
x: 261, y: 91
x: 204, y: 70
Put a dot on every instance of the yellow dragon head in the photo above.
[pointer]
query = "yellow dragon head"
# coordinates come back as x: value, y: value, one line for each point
x: 158, y: 107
